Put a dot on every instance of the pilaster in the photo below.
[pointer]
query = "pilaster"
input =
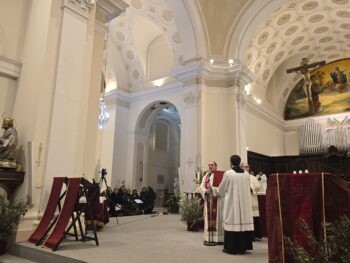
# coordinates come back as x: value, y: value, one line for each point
x: 221, y: 109
x: 70, y: 98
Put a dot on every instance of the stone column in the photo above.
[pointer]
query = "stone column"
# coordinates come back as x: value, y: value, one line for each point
x: 240, y: 110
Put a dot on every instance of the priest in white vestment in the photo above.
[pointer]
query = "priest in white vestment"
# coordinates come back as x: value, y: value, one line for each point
x: 238, y: 215
x: 213, y: 207
x: 254, y: 189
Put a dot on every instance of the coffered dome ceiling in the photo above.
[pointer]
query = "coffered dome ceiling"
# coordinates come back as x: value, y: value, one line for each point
x: 319, y: 29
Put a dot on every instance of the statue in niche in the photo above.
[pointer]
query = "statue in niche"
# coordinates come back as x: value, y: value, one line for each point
x: 8, y: 144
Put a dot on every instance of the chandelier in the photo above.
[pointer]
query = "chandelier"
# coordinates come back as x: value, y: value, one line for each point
x: 103, y: 116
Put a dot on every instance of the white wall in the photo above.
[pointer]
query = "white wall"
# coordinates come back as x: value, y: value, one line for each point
x: 120, y: 146
x: 218, y: 128
x: 106, y: 157
x: 291, y: 143
x: 13, y: 19
x: 264, y: 137
x: 160, y: 59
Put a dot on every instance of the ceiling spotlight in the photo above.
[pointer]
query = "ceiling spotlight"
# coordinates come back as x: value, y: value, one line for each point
x: 258, y: 101
x: 211, y: 61
x: 230, y: 61
x: 247, y: 88
x: 158, y: 82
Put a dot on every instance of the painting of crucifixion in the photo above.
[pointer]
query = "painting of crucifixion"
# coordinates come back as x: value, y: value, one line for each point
x: 320, y: 91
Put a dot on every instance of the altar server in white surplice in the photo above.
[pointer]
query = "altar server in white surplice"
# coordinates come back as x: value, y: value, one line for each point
x: 237, y: 216
x: 254, y: 188
x: 213, y: 207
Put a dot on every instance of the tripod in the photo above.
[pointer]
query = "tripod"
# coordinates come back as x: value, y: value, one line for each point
x: 210, y: 242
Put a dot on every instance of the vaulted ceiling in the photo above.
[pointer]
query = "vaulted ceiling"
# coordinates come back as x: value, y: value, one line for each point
x: 266, y: 35
x: 316, y: 28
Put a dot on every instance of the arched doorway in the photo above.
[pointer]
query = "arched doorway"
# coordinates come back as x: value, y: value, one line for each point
x: 157, y: 140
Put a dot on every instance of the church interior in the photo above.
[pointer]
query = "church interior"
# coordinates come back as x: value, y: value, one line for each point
x: 151, y: 91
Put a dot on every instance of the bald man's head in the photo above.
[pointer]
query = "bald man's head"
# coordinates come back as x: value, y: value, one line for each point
x: 212, y: 166
x: 245, y: 167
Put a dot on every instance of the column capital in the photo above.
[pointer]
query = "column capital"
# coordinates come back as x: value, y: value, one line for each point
x: 241, y: 99
x: 191, y: 97
x: 81, y: 7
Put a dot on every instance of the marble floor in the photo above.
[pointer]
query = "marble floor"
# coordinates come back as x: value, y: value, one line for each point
x: 146, y: 239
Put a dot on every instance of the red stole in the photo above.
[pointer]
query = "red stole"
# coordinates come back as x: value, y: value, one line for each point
x: 212, y: 202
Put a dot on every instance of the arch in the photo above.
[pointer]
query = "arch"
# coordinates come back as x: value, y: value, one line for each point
x: 191, y: 29
x: 150, y: 111
x: 165, y: 113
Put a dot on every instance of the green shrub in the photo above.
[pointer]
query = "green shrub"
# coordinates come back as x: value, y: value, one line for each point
x: 335, y: 248
x: 10, y: 215
x: 191, y: 210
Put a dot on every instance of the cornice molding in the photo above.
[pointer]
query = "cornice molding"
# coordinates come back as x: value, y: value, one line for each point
x: 106, y: 10
x: 220, y: 90
x: 9, y: 67
x: 207, y: 71
x: 80, y: 7
x: 143, y: 94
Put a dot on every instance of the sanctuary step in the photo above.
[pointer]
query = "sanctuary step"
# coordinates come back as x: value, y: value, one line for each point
x: 8, y: 258
x: 25, y: 251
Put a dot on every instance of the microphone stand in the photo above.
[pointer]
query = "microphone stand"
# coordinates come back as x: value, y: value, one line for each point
x: 209, y: 201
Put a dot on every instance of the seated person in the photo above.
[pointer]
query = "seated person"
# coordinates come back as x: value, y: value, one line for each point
x: 115, y: 202
x: 136, y: 199
x: 148, y: 199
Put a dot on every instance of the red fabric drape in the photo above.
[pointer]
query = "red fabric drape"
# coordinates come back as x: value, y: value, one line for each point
x: 50, y: 209
x: 300, y: 196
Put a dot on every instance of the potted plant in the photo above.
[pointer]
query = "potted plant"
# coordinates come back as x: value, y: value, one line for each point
x: 191, y: 211
x: 10, y: 215
x: 335, y: 248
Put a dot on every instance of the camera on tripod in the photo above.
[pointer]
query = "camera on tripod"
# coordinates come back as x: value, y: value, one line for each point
x: 103, y: 172
x: 103, y: 177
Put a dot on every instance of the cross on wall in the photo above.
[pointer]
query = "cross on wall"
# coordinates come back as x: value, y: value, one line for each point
x: 189, y: 162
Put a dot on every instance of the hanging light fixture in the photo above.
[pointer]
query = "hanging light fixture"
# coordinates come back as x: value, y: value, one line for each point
x: 103, y: 116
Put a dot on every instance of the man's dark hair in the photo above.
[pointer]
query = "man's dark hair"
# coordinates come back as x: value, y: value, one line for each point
x: 235, y: 160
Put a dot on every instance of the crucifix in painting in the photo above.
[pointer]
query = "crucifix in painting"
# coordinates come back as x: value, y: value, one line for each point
x: 304, y: 69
